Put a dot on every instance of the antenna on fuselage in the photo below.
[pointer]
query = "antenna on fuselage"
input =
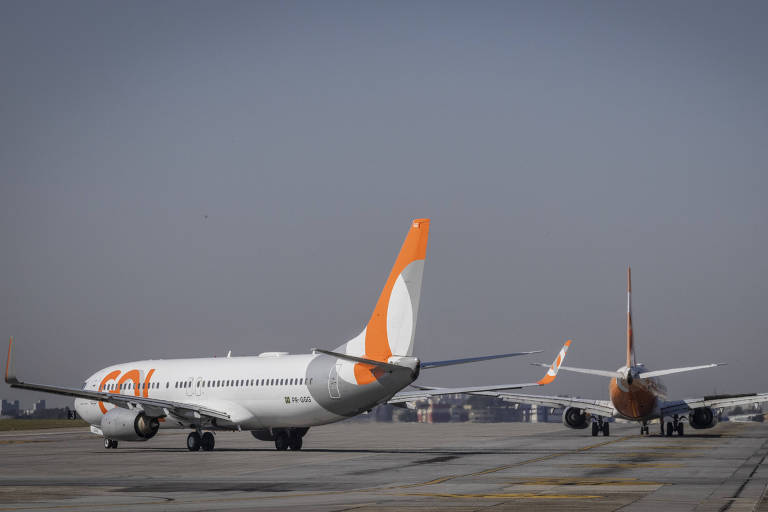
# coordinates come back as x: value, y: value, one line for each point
x: 229, y: 354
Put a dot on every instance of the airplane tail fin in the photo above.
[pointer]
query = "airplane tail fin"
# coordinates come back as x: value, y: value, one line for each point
x: 630, y: 336
x: 392, y: 325
x: 10, y: 368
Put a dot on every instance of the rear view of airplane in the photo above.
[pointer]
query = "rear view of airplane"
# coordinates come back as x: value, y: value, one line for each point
x: 636, y: 393
x: 275, y: 396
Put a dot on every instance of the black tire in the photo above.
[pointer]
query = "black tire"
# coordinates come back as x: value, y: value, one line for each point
x: 595, y: 429
x: 680, y: 429
x: 208, y: 442
x: 281, y: 441
x: 107, y: 443
x: 114, y: 445
x: 193, y: 442
x: 670, y: 429
x: 294, y: 441
x: 606, y: 429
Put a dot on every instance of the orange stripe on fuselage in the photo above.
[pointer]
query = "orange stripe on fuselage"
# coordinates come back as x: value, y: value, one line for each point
x: 637, y: 402
x: 146, y: 382
x: 110, y: 376
x: 376, y: 343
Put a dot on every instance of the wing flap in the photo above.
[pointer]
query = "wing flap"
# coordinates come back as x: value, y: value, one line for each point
x: 715, y: 402
x: 598, y: 407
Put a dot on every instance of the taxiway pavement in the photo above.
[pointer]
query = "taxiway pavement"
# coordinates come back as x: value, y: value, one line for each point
x: 394, y: 466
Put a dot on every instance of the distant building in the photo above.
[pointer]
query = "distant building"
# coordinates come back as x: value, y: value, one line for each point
x: 39, y: 407
x: 12, y: 409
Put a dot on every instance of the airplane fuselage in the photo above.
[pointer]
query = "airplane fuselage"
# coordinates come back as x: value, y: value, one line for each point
x: 273, y: 390
x: 637, y: 399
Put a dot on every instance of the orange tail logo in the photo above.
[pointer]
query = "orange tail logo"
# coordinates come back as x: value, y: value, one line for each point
x: 378, y: 346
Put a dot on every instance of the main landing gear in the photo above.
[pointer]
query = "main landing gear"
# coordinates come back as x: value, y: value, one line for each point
x: 109, y: 443
x: 676, y: 425
x: 288, y: 439
x: 601, y: 426
x: 644, y: 428
x: 195, y: 441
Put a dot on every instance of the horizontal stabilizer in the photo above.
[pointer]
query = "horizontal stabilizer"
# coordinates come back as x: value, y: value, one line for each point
x: 356, y: 359
x: 657, y: 373
x: 451, y: 362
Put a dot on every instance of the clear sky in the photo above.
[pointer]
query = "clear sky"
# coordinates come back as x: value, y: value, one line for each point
x: 551, y: 143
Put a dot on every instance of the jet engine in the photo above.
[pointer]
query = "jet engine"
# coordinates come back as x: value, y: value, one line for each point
x: 702, y: 417
x: 127, y: 425
x: 574, y: 417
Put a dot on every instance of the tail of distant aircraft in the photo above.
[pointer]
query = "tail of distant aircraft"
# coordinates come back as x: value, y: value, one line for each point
x: 630, y: 337
x: 392, y: 325
x: 631, y: 371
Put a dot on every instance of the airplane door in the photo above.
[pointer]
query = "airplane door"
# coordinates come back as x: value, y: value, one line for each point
x: 199, y: 386
x: 189, y: 391
x: 333, y: 382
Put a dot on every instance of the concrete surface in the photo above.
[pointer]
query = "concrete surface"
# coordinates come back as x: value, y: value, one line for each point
x: 379, y: 466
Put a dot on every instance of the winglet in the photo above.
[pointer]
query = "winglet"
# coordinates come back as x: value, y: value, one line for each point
x: 10, y: 368
x: 552, y: 371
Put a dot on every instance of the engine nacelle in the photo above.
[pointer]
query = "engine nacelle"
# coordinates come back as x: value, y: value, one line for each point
x: 127, y: 425
x: 574, y: 417
x: 702, y: 417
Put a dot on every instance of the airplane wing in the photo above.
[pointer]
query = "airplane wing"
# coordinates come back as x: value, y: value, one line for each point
x: 450, y: 362
x: 715, y: 402
x: 426, y: 392
x: 151, y: 406
x: 597, y: 407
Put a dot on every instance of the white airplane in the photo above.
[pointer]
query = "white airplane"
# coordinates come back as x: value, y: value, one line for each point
x: 275, y: 396
x: 636, y: 393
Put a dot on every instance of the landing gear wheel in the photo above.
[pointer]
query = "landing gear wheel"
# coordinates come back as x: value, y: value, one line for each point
x: 281, y: 441
x: 606, y: 429
x: 107, y: 443
x: 295, y: 441
x: 680, y: 428
x: 595, y: 429
x: 193, y: 442
x: 670, y: 429
x: 208, y: 442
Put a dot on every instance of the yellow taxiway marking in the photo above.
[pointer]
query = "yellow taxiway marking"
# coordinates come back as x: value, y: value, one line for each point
x: 509, y: 466
x: 506, y: 495
x: 581, y: 481
x: 25, y: 441
x: 625, y: 465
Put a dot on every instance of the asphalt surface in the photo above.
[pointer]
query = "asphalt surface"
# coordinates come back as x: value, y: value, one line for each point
x: 382, y: 466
